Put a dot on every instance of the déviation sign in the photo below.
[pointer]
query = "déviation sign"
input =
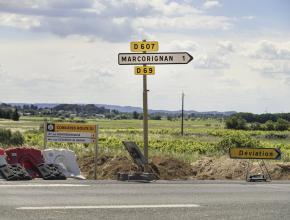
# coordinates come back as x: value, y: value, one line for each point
x: 255, y: 153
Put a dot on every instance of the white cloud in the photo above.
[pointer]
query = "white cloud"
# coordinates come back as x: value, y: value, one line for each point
x: 269, y: 50
x: 188, y: 22
x: 272, y: 68
x: 211, y: 61
x: 209, y: 4
x: 19, y: 21
x: 186, y: 45
x: 225, y: 47
x: 109, y: 20
x: 248, y: 17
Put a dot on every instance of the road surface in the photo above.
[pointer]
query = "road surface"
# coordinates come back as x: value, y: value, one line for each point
x: 77, y: 200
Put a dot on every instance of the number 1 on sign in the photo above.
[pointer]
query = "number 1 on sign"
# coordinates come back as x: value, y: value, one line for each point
x: 144, y: 70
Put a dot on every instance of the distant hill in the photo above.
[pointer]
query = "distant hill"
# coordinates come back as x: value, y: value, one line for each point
x: 130, y: 109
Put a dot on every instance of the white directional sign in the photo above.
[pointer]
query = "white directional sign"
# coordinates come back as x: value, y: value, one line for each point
x: 154, y: 58
x: 71, y: 135
x: 71, y: 140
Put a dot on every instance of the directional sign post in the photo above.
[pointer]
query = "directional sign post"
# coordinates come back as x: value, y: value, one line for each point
x: 144, y: 58
x: 255, y: 153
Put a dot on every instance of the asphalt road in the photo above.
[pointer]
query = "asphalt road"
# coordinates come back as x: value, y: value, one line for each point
x: 77, y: 200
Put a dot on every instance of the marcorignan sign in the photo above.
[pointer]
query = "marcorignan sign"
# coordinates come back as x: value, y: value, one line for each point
x: 154, y: 58
x: 72, y: 133
x: 255, y: 153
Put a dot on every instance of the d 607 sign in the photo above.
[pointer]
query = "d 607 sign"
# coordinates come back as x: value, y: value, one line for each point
x: 148, y: 46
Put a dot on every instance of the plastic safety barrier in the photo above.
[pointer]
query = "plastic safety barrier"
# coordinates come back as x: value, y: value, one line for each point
x: 66, y: 159
x: 2, y: 157
x: 2, y: 160
x: 14, y: 172
x: 29, y: 158
x: 51, y: 172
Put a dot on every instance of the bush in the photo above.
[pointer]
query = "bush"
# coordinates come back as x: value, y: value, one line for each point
x: 256, y: 126
x: 10, y: 138
x: 17, y: 139
x: 155, y: 117
x: 269, y: 125
x: 276, y: 136
x: 237, y: 140
x: 236, y: 123
x: 281, y: 125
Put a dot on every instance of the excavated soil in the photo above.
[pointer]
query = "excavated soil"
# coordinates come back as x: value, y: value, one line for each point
x: 168, y: 168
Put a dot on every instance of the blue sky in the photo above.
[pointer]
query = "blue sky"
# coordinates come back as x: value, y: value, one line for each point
x: 65, y: 51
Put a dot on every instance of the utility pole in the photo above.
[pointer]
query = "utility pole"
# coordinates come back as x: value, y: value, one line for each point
x: 182, y: 110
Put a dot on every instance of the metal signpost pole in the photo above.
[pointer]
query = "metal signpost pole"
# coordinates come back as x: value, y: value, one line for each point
x: 145, y: 117
x: 96, y: 151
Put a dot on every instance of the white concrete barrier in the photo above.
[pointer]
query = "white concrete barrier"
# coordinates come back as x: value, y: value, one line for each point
x: 66, y: 159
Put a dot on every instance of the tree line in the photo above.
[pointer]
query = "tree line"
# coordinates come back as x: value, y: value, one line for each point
x: 267, y: 121
x: 7, y: 112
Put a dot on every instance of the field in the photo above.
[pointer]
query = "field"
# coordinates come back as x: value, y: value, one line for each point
x: 202, y: 137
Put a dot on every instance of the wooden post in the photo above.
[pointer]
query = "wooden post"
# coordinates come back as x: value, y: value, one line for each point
x: 45, y: 134
x: 182, y: 110
x: 145, y: 118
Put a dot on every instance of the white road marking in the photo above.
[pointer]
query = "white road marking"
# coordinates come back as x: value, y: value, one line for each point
x: 277, y: 186
x: 42, y: 185
x: 112, y: 207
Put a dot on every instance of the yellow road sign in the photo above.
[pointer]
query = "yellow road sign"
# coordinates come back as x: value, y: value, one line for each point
x: 144, y: 70
x: 71, y: 127
x: 255, y: 153
x: 140, y: 46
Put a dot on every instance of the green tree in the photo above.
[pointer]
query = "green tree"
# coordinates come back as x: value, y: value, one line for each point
x: 156, y: 117
x: 236, y: 123
x: 281, y: 125
x: 269, y: 125
x: 15, y: 116
x: 135, y: 115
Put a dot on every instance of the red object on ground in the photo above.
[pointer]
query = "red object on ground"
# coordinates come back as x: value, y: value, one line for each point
x: 2, y: 152
x: 29, y: 158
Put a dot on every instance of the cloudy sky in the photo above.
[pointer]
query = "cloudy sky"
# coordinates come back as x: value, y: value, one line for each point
x: 65, y: 51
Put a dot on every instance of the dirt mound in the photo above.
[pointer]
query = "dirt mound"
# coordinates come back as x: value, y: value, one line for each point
x: 226, y: 168
x: 170, y: 168
x: 108, y: 167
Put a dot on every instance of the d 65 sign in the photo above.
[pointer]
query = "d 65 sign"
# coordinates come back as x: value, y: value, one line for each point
x: 140, y: 46
x: 144, y: 70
